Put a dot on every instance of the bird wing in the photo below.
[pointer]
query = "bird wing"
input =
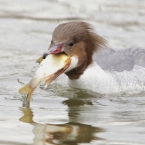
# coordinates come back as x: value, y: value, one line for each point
x: 120, y: 60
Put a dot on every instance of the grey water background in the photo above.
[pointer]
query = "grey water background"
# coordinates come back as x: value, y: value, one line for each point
x: 61, y: 115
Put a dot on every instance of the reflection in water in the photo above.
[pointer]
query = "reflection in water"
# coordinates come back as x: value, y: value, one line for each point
x: 73, y: 102
x: 68, y: 133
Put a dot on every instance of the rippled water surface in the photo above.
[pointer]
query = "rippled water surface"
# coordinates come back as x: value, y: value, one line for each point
x: 59, y: 114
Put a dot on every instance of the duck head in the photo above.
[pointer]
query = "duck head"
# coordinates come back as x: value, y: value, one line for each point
x: 77, y: 40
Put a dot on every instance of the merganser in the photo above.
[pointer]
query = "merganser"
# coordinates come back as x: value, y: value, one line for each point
x: 89, y: 63
x: 94, y: 66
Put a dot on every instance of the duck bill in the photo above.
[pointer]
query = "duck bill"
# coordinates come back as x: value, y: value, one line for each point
x: 55, y: 49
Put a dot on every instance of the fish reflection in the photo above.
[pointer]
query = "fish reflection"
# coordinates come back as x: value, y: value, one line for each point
x: 68, y: 134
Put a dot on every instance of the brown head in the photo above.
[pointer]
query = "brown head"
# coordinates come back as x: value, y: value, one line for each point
x: 78, y: 40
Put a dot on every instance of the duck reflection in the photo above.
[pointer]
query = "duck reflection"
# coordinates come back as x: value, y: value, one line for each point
x: 60, y: 134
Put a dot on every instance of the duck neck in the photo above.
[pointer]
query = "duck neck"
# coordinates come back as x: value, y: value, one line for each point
x: 86, y: 48
x: 77, y: 72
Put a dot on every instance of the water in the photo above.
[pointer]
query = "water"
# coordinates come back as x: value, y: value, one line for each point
x: 60, y: 115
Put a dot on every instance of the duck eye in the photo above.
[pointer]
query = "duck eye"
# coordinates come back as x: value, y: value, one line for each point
x: 71, y: 44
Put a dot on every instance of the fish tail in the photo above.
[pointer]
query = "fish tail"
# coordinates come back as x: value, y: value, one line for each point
x: 27, y: 90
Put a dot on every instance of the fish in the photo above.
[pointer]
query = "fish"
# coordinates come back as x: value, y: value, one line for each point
x: 49, y: 69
